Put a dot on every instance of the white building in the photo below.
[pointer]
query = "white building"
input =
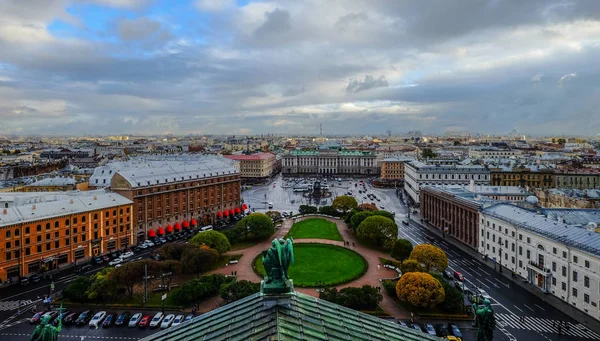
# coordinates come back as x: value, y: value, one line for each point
x: 494, y: 153
x: 561, y: 259
x: 417, y: 174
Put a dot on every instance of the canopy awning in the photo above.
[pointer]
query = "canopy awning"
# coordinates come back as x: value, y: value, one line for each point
x: 161, y: 231
x: 177, y: 227
x: 244, y: 207
x: 169, y: 228
x: 193, y: 222
x: 237, y: 210
x: 185, y: 224
x: 219, y: 214
x: 151, y: 233
x: 226, y: 213
x: 231, y: 211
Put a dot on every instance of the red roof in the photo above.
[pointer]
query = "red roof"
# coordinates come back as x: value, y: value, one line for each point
x: 257, y: 156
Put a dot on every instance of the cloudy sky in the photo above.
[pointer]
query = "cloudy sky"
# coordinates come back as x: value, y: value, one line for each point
x: 357, y: 66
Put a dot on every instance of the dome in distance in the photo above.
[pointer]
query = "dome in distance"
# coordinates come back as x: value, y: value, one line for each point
x: 532, y: 199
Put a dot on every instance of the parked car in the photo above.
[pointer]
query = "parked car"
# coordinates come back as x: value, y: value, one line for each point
x: 128, y: 254
x: 70, y: 318
x: 178, y: 320
x: 24, y: 281
x: 416, y: 327
x: 36, y: 318
x: 402, y: 324
x: 166, y: 322
x: 109, y: 320
x: 134, y: 320
x: 156, y: 320
x: 34, y: 278
x: 188, y: 317
x: 84, y: 268
x: 97, y: 319
x: 142, y: 246
x: 61, y: 317
x: 150, y: 243
x: 458, y: 276
x: 123, y: 319
x: 98, y: 260
x: 84, y: 318
x: 483, y: 294
x: 453, y: 330
x: 51, y: 314
x: 430, y: 330
x: 116, y: 262
x: 447, y: 274
x: 144, y: 321
x: 105, y: 258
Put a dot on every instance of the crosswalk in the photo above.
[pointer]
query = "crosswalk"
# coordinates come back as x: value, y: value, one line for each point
x: 543, y: 325
x: 13, y: 305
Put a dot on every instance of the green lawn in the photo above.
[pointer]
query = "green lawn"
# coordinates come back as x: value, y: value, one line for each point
x: 315, y: 228
x: 327, y: 264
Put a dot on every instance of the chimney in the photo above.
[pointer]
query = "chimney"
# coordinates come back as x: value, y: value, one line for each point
x: 71, y: 201
x: 95, y: 197
x: 5, y: 211
x: 33, y: 207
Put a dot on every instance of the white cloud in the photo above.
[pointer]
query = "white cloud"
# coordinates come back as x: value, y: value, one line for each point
x: 537, y: 78
x: 566, y: 78
x: 214, y: 5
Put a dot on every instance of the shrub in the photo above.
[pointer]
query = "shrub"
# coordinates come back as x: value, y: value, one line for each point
x: 358, y: 218
x: 237, y: 290
x: 306, y: 209
x: 199, y: 289
x: 411, y: 265
x: 363, y: 298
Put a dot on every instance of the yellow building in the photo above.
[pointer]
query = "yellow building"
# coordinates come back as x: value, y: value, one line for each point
x: 255, y: 166
x: 392, y: 168
x: 524, y: 177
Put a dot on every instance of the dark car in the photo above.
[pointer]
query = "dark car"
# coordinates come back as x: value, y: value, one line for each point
x: 84, y: 318
x: 447, y: 274
x: 61, y: 317
x: 84, y: 268
x: 123, y: 319
x: 109, y: 320
x: 36, y: 318
x: 98, y: 260
x: 137, y: 249
x: 70, y: 318
x: 170, y: 238
x: 114, y: 255
x: 52, y: 314
x: 106, y: 258
x: 24, y: 281
x: 453, y: 330
x: 34, y: 278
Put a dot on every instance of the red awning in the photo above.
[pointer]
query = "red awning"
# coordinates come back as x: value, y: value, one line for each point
x: 151, y: 233
x: 231, y: 211
x: 161, y: 231
x: 219, y: 214
x: 177, y: 227
x: 237, y: 210
x: 169, y: 228
x: 244, y: 207
x: 185, y: 224
x: 226, y: 213
x: 193, y: 222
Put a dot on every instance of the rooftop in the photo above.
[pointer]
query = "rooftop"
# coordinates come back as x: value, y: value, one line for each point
x: 397, y: 159
x: 442, y: 168
x: 295, y: 316
x: 24, y: 207
x: 574, y: 216
x: 257, y: 156
x: 575, y: 236
x: 54, y: 182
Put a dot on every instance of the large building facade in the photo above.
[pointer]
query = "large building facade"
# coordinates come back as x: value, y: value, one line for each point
x: 392, y: 169
x: 418, y: 174
x: 494, y: 153
x: 559, y: 258
x: 524, y: 177
x: 172, y: 193
x: 329, y: 162
x: 42, y: 232
x: 258, y: 166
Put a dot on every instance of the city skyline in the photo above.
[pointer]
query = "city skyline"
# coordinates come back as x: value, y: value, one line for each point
x: 206, y: 67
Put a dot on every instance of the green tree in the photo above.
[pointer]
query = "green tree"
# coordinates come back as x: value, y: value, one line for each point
x: 428, y: 153
x: 432, y: 258
x: 358, y: 218
x: 274, y: 215
x: 379, y: 230
x: 402, y: 249
x: 231, y: 235
x: 237, y: 290
x: 213, y: 239
x: 101, y: 286
x: 328, y: 210
x: 411, y: 265
x: 198, y: 260
x: 128, y: 275
x: 173, y: 250
x: 553, y: 140
x: 363, y: 298
x: 453, y: 298
x: 258, y: 225
x: 344, y: 203
x: 76, y: 290
x: 384, y: 214
x: 420, y: 289
x: 367, y: 207
x: 562, y: 141
x: 306, y: 209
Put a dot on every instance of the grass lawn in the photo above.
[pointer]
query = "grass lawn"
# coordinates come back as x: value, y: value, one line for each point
x: 315, y: 228
x: 320, y: 263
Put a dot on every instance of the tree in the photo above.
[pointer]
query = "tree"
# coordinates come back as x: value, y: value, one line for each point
x: 432, y: 258
x: 384, y: 214
x: 367, y: 207
x: 428, y: 153
x: 231, y: 236
x: 213, y: 239
x: 358, y: 218
x: 411, y: 265
x: 363, y: 298
x: 306, y: 209
x: 453, y: 298
x: 128, y: 274
x: 173, y: 250
x: 238, y: 289
x: 101, y: 286
x: 259, y: 225
x: 420, y: 290
x: 562, y: 141
x: 274, y: 215
x: 76, y: 290
x: 328, y: 210
x: 380, y: 230
x: 402, y: 249
x: 344, y: 203
x: 553, y: 140
x: 198, y: 260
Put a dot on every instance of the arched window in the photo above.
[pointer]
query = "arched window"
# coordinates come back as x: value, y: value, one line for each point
x: 17, y: 232
x: 8, y: 234
x: 27, y: 229
x: 55, y: 224
x: 5, y: 205
x: 541, y: 248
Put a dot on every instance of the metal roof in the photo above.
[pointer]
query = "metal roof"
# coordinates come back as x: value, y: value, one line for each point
x: 53, y: 182
x: 574, y: 216
x: 294, y: 316
x: 575, y: 236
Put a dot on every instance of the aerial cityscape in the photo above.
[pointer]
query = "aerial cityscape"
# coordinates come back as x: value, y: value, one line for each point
x: 299, y: 170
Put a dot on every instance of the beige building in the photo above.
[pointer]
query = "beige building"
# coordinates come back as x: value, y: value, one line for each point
x: 578, y: 179
x: 255, y: 166
x: 392, y: 169
x: 568, y: 198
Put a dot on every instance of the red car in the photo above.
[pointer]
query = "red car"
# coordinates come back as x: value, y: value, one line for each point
x: 37, y: 317
x: 144, y: 322
x: 458, y: 276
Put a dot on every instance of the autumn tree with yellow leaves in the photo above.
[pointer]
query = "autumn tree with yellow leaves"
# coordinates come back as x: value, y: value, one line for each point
x: 420, y: 290
x: 432, y: 258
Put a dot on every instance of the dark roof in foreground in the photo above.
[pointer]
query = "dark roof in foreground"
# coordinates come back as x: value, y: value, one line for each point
x: 295, y: 316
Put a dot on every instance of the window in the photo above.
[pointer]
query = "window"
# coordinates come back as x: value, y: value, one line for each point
x: 575, y: 276
x: 512, y: 259
x: 574, y: 292
x: 74, y: 220
x: 512, y: 247
x: 27, y: 241
x: 564, y: 271
x: 554, y: 250
x: 38, y: 228
x: 520, y: 250
x: 7, y: 234
x: 554, y: 266
x: 520, y: 263
x: 494, y: 238
x: 56, y: 244
x: 575, y: 259
x: 528, y: 240
x: 83, y: 219
x: 55, y: 225
x: 27, y: 231
x: 67, y: 222
x: 586, y: 298
x: 586, y: 281
x: 528, y: 254
x: 39, y: 248
x: 587, y: 264
x: 520, y: 236
x: 565, y: 254
x: 554, y: 281
x: 564, y: 286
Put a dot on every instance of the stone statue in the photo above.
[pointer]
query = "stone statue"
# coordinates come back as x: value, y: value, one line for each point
x: 484, y: 321
x: 277, y: 260
x: 45, y: 331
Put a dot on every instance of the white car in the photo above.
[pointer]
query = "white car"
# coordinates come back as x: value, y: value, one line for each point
x: 149, y: 243
x: 178, y: 320
x: 135, y: 319
x: 166, y: 322
x: 156, y: 320
x: 116, y: 261
x: 483, y: 294
x: 127, y: 255
x: 143, y: 246
x: 97, y: 319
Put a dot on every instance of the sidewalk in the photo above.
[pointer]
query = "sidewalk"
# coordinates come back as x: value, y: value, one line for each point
x: 554, y: 301
x: 374, y: 273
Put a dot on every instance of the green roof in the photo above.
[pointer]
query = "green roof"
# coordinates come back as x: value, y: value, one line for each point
x: 304, y: 152
x: 292, y: 317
